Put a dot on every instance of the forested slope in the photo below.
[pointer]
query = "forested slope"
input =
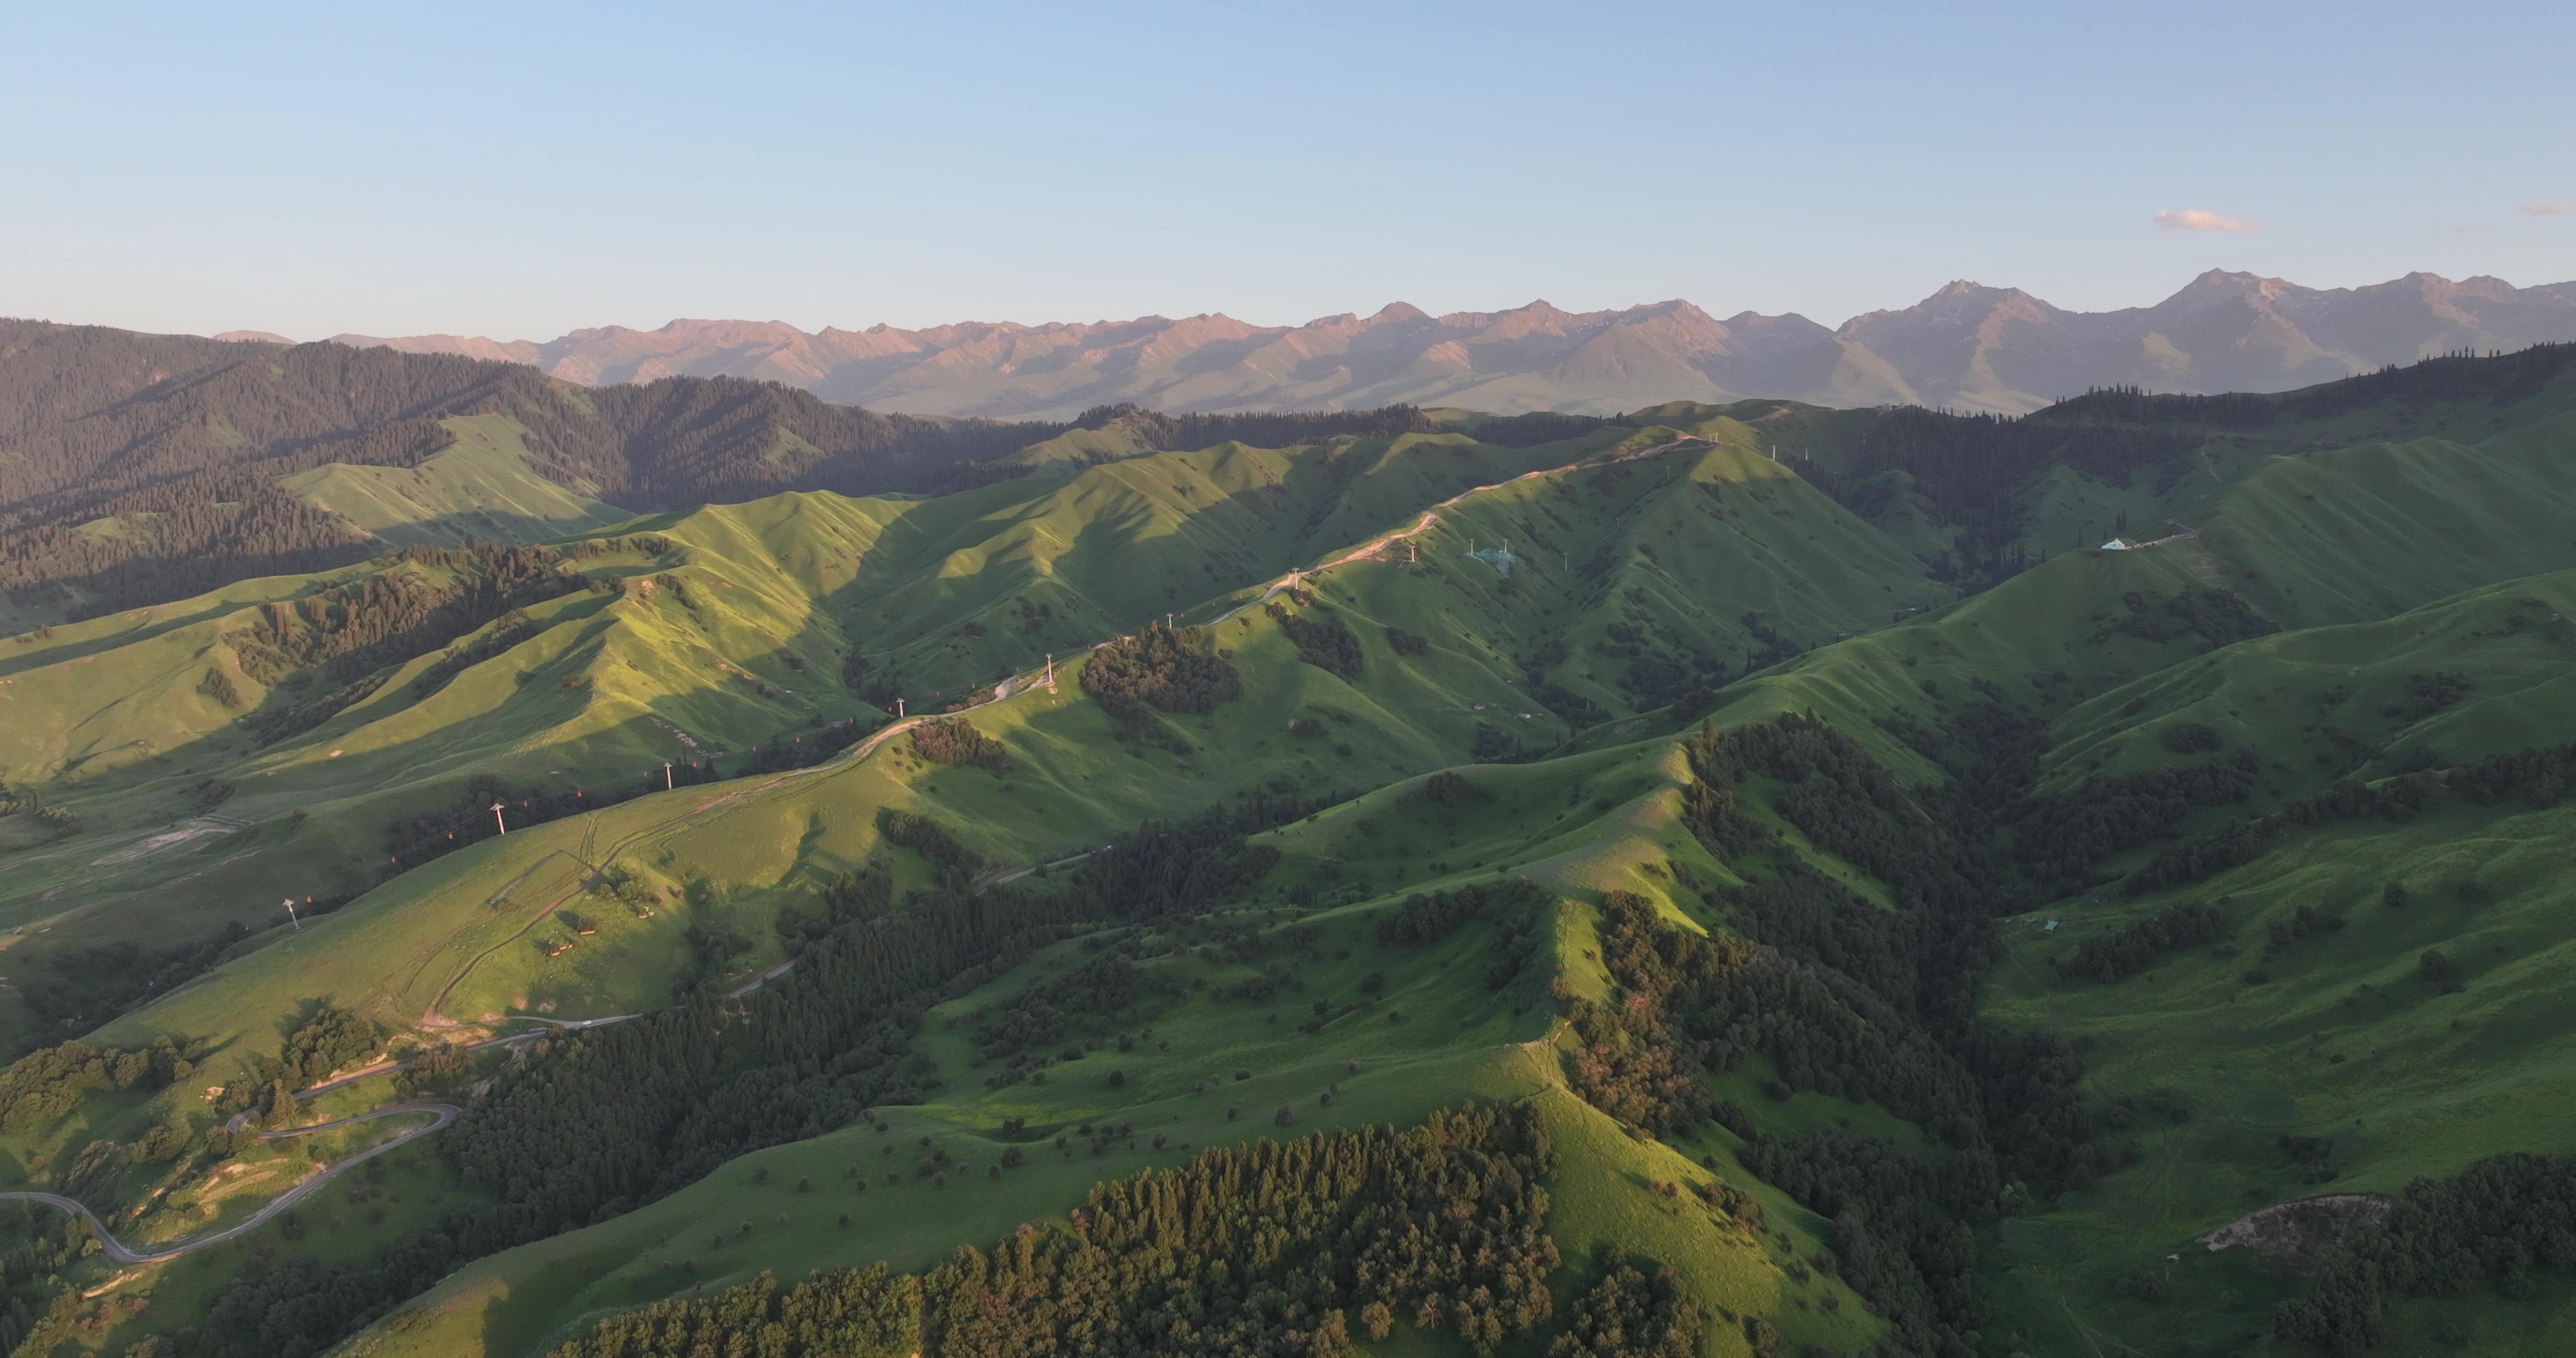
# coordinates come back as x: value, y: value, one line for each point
x: 1623, y: 894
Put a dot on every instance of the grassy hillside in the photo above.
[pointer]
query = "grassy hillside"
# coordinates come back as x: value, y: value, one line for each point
x: 2477, y: 674
x: 1888, y: 960
x: 482, y: 487
x: 724, y: 628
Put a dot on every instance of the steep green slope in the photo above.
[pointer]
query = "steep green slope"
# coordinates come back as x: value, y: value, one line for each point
x: 2454, y: 681
x: 723, y: 628
x: 483, y: 487
x: 1902, y: 971
x: 2334, y: 504
x: 2309, y: 1059
x: 2362, y: 532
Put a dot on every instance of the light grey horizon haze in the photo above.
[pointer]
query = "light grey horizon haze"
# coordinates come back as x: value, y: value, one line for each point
x: 517, y: 171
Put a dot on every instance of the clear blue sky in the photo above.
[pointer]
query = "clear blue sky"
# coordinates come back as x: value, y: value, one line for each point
x: 518, y: 170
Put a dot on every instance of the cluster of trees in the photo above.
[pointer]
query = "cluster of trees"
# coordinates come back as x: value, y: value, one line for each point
x: 869, y: 1312
x: 1517, y: 942
x: 2134, y: 947
x: 2122, y: 404
x: 1042, y: 1015
x: 2060, y: 839
x: 2306, y: 922
x: 1175, y: 433
x: 78, y: 989
x: 801, y: 750
x: 1256, y: 1251
x: 1448, y: 791
x: 182, y: 439
x: 1974, y: 473
x: 957, y: 864
x: 880, y: 687
x: 1848, y: 998
x: 328, y: 1038
x: 393, y: 615
x: 40, y: 1311
x: 1532, y: 428
x: 2458, y: 375
x: 954, y: 740
x: 28, y: 802
x: 284, y: 716
x: 2538, y: 775
x: 1159, y: 668
x: 45, y: 1084
x: 1322, y: 640
x: 1166, y: 869
x: 1495, y: 746
x: 1420, y: 918
x: 2507, y: 1222
x: 2218, y: 617
x: 2050, y: 845
x: 175, y: 541
x: 1903, y: 1232
x: 2427, y: 694
x: 1630, y: 1313
x: 2191, y: 737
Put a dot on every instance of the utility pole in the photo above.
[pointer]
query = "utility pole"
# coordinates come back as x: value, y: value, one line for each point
x: 666, y: 775
x: 290, y: 915
x: 1050, y: 671
x: 898, y: 708
x: 504, y: 827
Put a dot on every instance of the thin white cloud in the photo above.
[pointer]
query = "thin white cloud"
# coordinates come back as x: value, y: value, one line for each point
x: 2547, y: 209
x: 2197, y: 219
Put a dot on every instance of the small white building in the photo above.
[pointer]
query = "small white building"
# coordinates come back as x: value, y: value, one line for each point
x: 2116, y: 545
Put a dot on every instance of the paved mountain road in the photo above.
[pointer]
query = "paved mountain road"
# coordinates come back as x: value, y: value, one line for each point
x: 123, y: 1253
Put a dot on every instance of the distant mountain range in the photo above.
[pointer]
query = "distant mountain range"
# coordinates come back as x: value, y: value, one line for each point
x: 1968, y: 347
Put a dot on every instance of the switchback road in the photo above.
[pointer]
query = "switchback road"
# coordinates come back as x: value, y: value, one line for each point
x: 123, y: 1253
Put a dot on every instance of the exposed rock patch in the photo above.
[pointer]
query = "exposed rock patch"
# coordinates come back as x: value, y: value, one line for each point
x: 2299, y: 1229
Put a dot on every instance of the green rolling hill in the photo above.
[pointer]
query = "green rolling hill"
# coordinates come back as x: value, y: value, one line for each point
x: 1867, y: 916
x: 483, y: 487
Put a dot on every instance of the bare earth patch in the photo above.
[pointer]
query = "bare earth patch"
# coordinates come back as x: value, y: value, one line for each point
x: 2302, y: 1228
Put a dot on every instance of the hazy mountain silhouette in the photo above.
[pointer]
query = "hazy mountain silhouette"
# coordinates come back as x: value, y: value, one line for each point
x: 1966, y: 346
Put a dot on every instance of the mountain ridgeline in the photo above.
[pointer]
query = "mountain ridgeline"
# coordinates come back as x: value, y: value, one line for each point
x: 1710, y: 880
x: 141, y: 468
x: 1968, y: 346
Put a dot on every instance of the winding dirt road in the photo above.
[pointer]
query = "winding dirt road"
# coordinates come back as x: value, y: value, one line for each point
x: 123, y: 1253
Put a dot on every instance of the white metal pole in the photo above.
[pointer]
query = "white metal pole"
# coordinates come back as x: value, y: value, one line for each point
x: 497, y: 822
x: 290, y: 915
x: 666, y: 775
